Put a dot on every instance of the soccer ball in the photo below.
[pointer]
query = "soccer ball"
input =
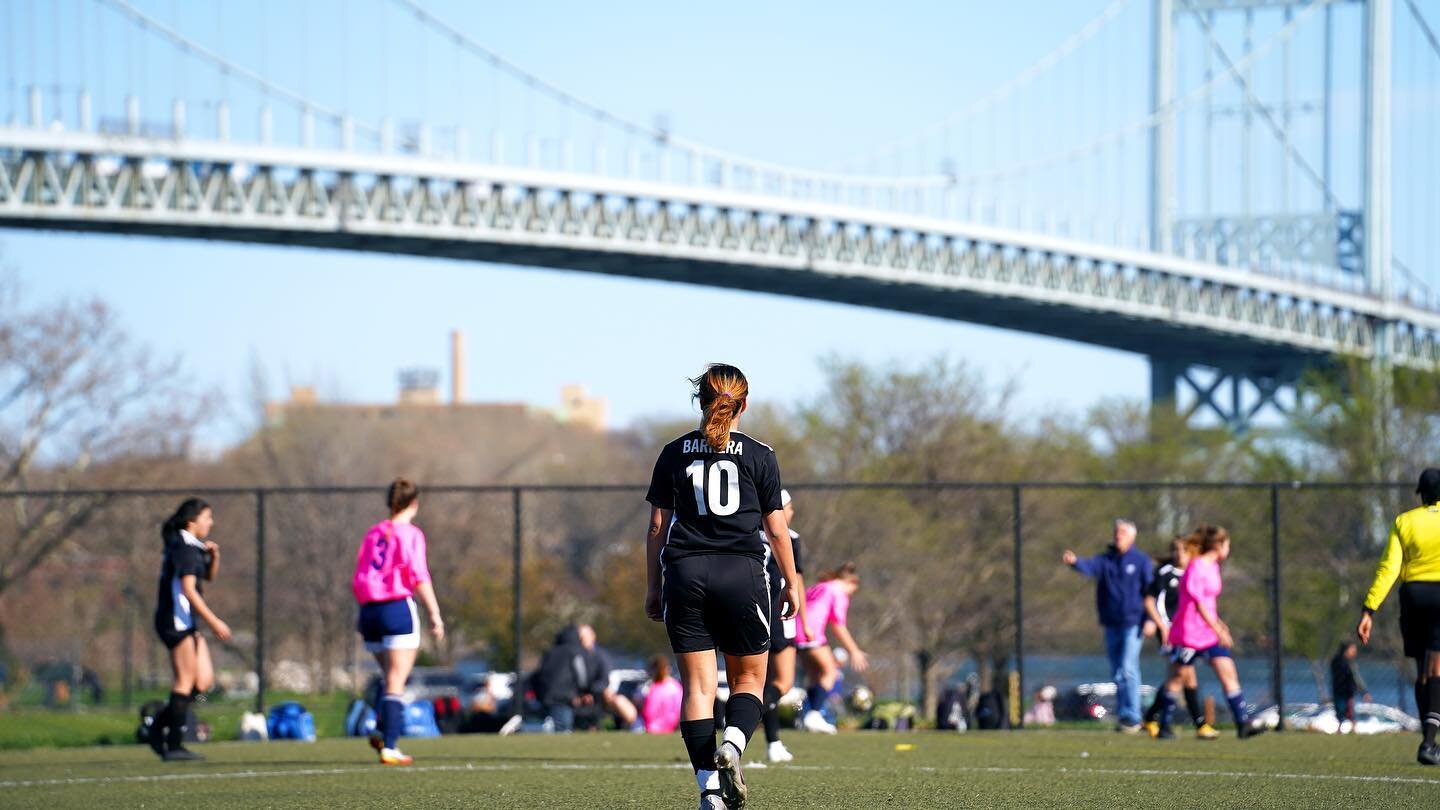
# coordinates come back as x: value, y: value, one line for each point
x: 860, y: 700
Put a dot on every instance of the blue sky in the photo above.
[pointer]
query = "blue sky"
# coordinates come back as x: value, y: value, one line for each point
x: 805, y: 83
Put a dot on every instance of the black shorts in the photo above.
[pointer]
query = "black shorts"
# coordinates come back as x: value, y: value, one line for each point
x: 1420, y: 618
x: 169, y: 635
x: 782, y: 631
x: 717, y: 601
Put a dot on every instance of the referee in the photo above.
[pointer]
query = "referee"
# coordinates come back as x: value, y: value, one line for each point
x: 1412, y: 555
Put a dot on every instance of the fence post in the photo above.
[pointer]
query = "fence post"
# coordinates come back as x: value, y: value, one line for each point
x: 517, y: 588
x: 260, y: 600
x: 1277, y: 648
x: 1019, y: 604
x: 128, y: 662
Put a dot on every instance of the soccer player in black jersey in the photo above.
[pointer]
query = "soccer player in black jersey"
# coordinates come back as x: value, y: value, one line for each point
x: 189, y: 559
x: 781, y: 675
x: 715, y: 498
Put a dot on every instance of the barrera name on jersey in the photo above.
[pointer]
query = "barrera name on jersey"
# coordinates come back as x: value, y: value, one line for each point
x: 734, y: 448
x: 718, y: 500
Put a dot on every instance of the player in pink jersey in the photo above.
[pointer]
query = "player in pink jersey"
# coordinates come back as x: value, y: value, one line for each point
x: 827, y: 605
x: 390, y: 571
x: 663, y: 700
x: 1198, y: 632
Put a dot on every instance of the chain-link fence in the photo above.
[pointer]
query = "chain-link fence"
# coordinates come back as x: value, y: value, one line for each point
x: 956, y: 578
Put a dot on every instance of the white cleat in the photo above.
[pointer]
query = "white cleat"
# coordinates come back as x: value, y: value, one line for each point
x: 511, y: 726
x: 815, y: 722
x: 779, y: 753
x: 732, y: 781
x: 712, y: 801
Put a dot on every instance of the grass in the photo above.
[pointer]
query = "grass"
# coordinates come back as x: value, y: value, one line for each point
x: 25, y: 727
x: 862, y: 769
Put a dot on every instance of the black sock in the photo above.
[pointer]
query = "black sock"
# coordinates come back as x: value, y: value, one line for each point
x: 699, y: 737
x: 1192, y: 702
x: 742, y: 715
x: 175, y: 716
x: 1431, y: 718
x: 1152, y: 714
x: 1421, y: 699
x: 772, y: 714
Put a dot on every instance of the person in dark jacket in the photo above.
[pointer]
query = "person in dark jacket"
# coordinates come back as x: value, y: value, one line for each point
x: 597, y: 684
x: 1346, y: 683
x: 1122, y: 575
x: 562, y: 675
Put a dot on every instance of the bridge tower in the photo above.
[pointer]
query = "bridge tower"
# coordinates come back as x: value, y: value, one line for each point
x: 1221, y: 212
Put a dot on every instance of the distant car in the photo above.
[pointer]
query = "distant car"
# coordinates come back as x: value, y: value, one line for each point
x: 1093, y: 701
x: 1370, y: 718
x: 426, y: 683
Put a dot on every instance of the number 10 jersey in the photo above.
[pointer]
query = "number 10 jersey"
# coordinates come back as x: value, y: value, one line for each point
x: 719, y: 499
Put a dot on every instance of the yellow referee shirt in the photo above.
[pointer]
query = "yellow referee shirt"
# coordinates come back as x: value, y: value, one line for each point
x: 1411, y: 555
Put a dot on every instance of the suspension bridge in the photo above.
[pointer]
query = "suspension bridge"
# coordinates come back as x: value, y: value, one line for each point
x: 1266, y: 208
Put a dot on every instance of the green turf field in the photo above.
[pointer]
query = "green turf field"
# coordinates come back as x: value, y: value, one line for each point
x: 995, y: 769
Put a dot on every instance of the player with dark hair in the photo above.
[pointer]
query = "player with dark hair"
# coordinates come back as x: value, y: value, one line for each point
x: 1160, y: 604
x: 781, y: 675
x: 390, y: 570
x: 827, y: 606
x: 1198, y: 632
x: 190, y: 558
x: 1412, y: 555
x: 712, y: 493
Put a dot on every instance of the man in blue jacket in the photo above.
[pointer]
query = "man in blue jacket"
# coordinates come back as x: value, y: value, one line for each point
x: 1122, y: 575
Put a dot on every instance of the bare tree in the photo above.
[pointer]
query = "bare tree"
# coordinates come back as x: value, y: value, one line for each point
x: 80, y: 406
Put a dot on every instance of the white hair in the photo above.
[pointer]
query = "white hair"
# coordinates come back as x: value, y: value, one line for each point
x: 1122, y: 523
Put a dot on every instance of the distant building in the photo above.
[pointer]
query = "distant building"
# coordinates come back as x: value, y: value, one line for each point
x: 420, y: 389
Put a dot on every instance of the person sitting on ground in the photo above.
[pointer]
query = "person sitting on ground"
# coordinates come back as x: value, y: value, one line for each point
x: 596, y: 688
x: 661, y: 707
x: 558, y: 681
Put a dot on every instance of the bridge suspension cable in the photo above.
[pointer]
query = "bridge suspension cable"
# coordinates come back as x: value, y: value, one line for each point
x: 1002, y: 91
x: 1276, y: 128
x: 1233, y: 70
x: 1424, y: 27
x: 228, y: 66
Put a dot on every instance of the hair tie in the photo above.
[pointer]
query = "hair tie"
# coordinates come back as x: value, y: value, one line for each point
x: 726, y: 395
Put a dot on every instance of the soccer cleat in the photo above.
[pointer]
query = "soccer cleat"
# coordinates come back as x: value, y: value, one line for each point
x: 392, y: 756
x: 156, y: 738
x: 1429, y: 754
x: 732, y: 782
x: 710, y: 800
x: 1251, y: 728
x: 815, y: 721
x: 1165, y: 734
x: 181, y: 754
x: 511, y: 726
x: 779, y: 753
x: 377, y: 741
x: 1206, y: 732
x: 1153, y: 728
x: 1128, y: 728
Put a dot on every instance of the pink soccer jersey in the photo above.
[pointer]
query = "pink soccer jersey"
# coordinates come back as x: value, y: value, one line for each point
x: 391, y: 563
x: 1200, y: 586
x: 662, y: 706
x: 826, y: 603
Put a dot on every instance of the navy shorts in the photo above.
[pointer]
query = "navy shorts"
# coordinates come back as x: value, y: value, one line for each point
x: 1186, y: 656
x: 392, y: 625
